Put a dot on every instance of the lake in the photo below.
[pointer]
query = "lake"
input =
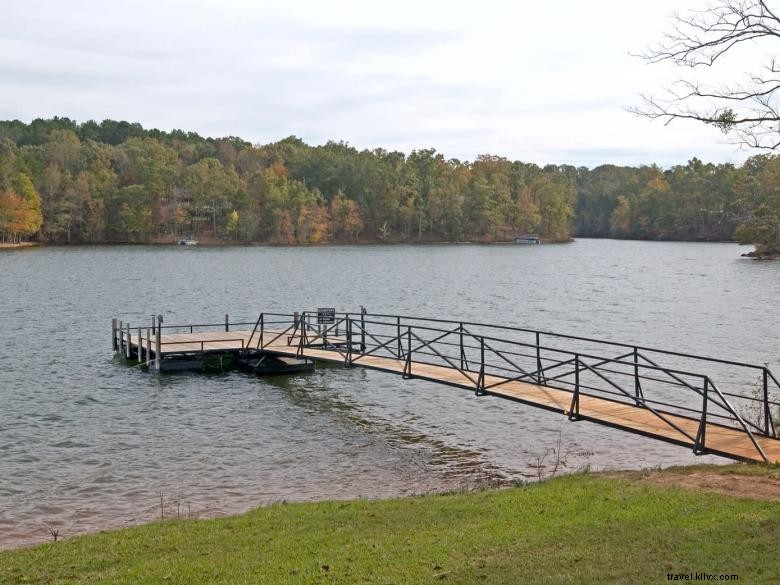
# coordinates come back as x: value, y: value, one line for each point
x: 87, y: 443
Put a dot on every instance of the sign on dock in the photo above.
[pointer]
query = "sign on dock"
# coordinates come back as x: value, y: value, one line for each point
x: 326, y: 315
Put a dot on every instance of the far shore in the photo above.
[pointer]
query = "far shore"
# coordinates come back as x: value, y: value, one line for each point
x: 212, y: 242
x: 19, y: 245
x: 209, y: 241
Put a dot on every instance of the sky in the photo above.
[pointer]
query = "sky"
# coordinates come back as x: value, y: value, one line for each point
x: 543, y: 82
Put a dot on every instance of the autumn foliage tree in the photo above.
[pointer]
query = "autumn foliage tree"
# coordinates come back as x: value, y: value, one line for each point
x: 11, y: 217
x: 746, y: 110
x: 20, y: 210
x: 761, y: 225
x: 63, y: 182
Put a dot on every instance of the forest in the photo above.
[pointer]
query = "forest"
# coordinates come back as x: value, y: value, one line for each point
x: 62, y: 182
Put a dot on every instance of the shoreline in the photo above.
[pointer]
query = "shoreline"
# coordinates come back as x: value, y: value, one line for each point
x: 175, y: 506
x: 208, y: 243
x: 9, y: 246
x: 756, y: 481
x: 761, y: 256
x: 610, y: 527
x: 215, y: 243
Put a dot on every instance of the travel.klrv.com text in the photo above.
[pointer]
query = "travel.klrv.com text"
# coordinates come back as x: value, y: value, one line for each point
x: 700, y: 577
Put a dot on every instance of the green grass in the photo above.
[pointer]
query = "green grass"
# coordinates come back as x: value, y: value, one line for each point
x: 575, y: 529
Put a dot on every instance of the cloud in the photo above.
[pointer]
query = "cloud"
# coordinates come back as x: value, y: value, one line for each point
x: 533, y: 82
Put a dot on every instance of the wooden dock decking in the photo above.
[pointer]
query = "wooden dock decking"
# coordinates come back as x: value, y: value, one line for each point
x: 718, y: 439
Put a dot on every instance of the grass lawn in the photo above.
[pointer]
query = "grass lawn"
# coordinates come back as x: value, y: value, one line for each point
x: 582, y: 528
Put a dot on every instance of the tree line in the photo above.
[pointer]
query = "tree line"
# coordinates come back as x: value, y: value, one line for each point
x: 64, y: 182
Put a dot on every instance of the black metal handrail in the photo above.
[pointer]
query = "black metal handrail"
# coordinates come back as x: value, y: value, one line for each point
x: 676, y: 381
x: 375, y: 342
x: 398, y: 322
x: 467, y: 346
x: 488, y: 358
x: 203, y: 342
x: 549, y: 349
x: 567, y: 336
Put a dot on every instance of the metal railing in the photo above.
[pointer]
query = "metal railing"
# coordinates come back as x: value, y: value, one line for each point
x: 202, y: 343
x: 666, y: 383
x: 152, y: 343
x: 491, y: 356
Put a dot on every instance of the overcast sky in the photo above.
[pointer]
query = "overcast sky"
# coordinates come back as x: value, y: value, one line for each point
x: 543, y: 82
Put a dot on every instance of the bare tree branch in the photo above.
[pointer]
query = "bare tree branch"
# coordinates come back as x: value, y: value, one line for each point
x: 747, y: 112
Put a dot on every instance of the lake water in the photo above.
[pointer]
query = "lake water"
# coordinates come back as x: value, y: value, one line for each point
x: 87, y: 443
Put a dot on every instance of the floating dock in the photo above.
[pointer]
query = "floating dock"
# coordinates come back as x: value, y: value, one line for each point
x: 711, y: 405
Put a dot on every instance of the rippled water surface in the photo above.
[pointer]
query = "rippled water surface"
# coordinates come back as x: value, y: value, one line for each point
x: 88, y: 443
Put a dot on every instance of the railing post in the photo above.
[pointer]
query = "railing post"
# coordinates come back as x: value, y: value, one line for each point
x: 574, y: 408
x: 305, y: 327
x: 154, y: 325
x: 767, y: 413
x: 362, y: 329
x: 301, y: 335
x: 121, y: 338
x: 227, y: 323
x: 462, y: 351
x: 698, y: 447
x: 262, y: 326
x: 113, y: 334
x: 398, y: 331
x: 408, y: 365
x: 481, y: 379
x: 140, y: 346
x: 539, y: 373
x: 637, y: 385
x: 158, y: 345
x: 348, y: 359
x: 128, y: 344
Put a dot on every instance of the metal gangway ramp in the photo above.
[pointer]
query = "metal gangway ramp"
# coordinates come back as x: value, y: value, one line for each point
x: 710, y: 405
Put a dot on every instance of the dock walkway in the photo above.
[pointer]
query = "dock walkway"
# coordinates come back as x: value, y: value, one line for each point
x: 630, y: 391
